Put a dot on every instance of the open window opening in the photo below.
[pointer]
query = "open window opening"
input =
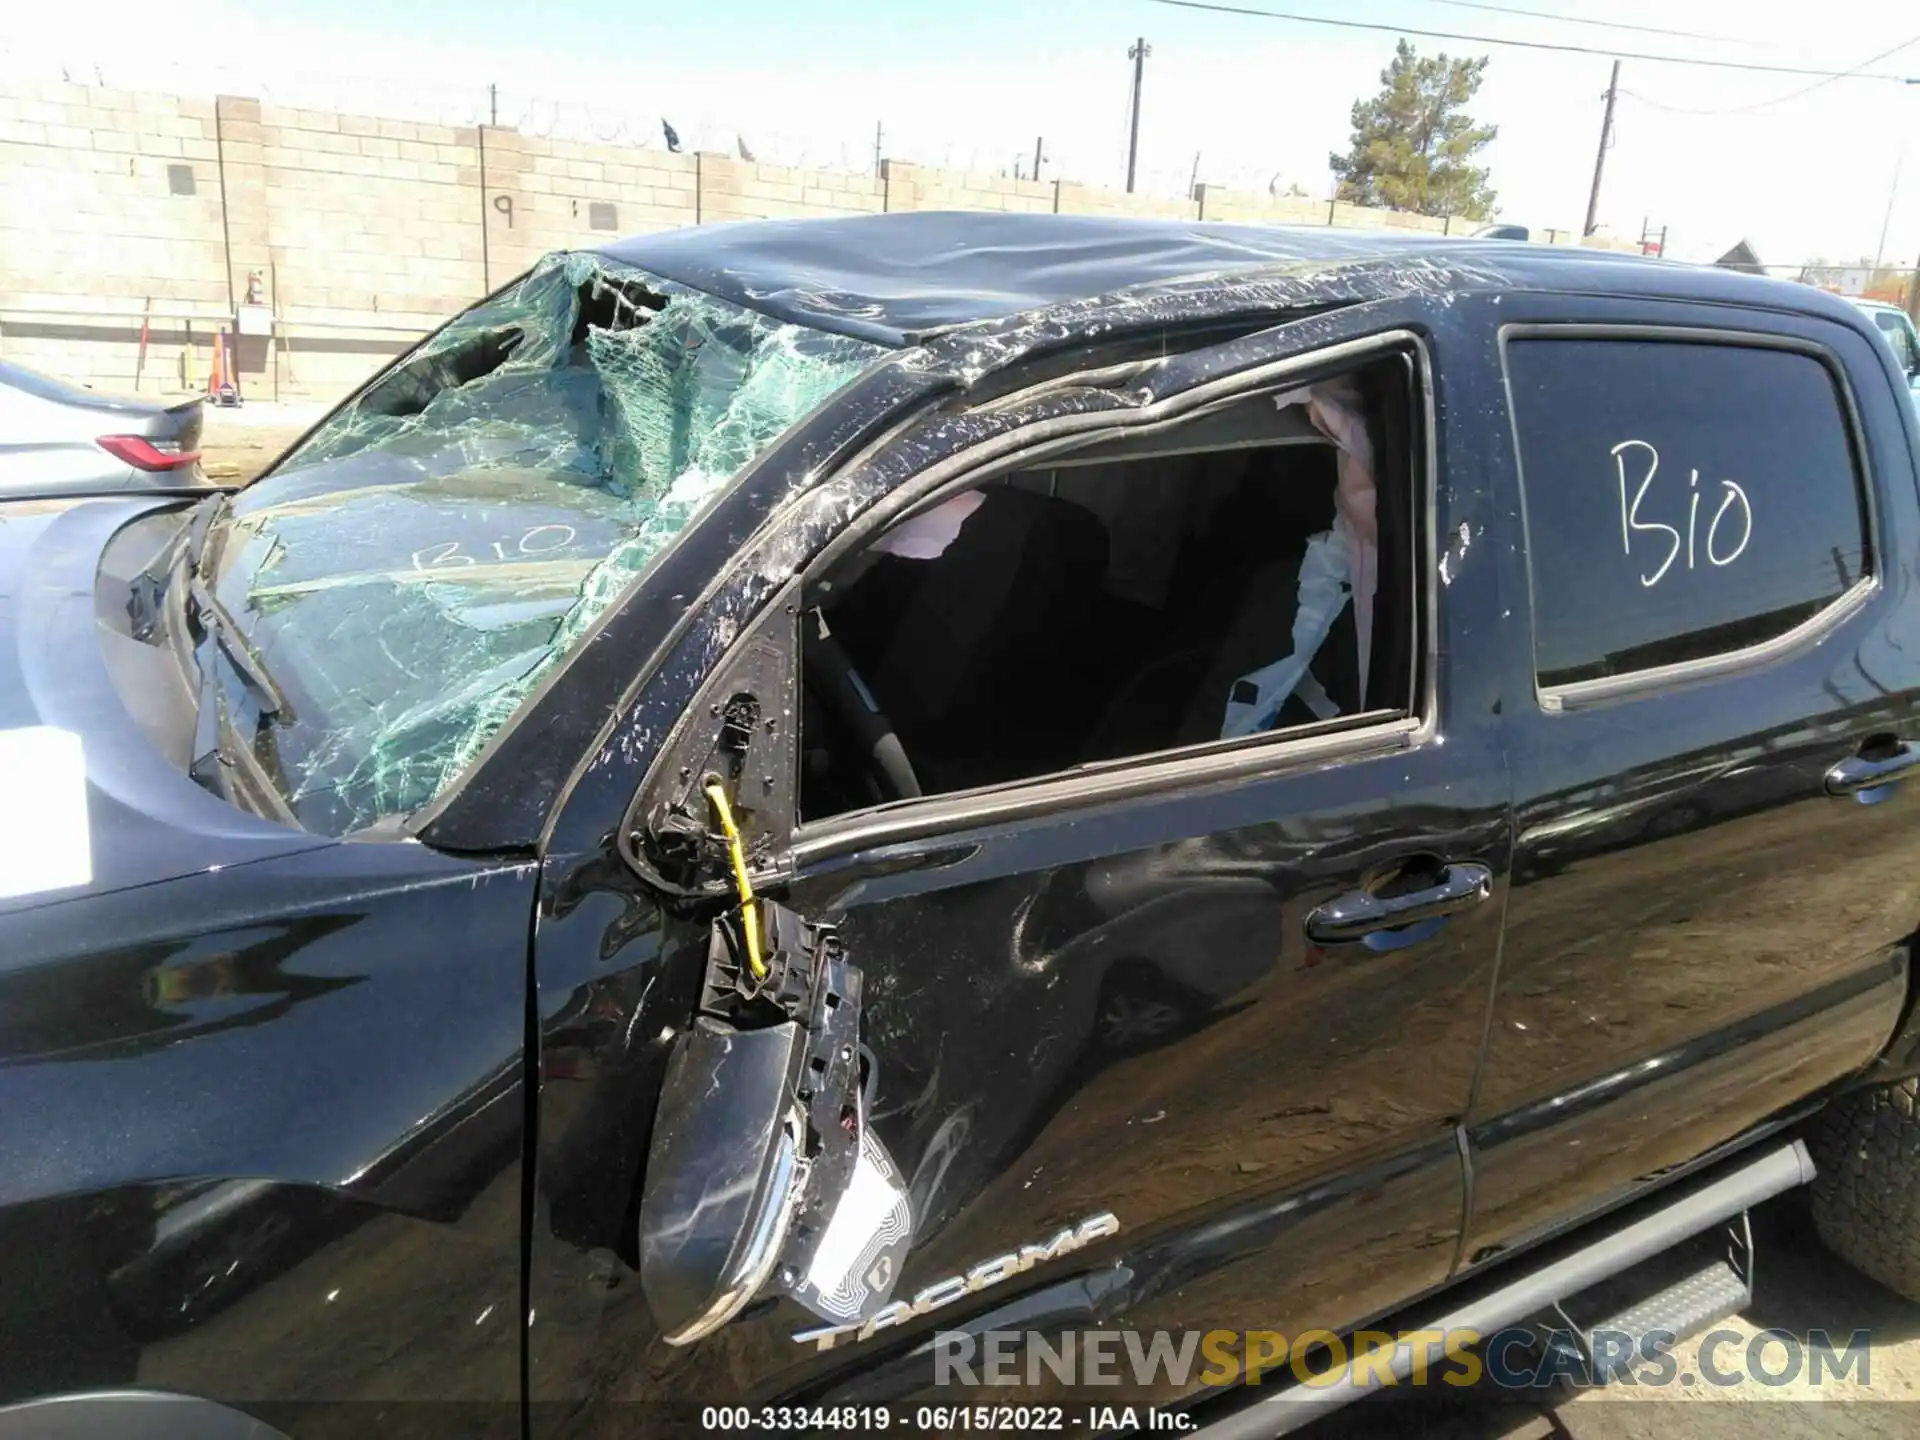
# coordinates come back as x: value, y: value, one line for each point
x: 1248, y: 572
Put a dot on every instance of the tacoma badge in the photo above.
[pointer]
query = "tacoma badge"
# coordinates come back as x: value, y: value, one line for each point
x: 987, y: 1272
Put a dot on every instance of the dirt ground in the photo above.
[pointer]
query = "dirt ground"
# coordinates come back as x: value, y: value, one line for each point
x: 238, y: 443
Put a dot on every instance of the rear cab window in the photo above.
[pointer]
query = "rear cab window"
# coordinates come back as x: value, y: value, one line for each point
x: 1685, y: 501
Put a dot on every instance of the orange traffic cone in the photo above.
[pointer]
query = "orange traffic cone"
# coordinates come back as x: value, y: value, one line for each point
x: 222, y: 384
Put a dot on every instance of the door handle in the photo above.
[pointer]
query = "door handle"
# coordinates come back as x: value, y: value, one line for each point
x: 1358, y: 913
x: 1859, y: 773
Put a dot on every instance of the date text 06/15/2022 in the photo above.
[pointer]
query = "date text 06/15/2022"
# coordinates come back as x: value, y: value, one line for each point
x: 944, y: 1419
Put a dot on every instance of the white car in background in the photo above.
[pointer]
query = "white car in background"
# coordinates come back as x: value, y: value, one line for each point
x: 1897, y: 326
x: 57, y: 439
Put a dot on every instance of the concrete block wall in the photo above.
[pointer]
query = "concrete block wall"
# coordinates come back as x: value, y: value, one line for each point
x: 539, y: 195
x: 92, y: 233
x: 358, y: 221
x: 368, y: 231
x: 359, y: 216
x: 746, y: 190
x: 1248, y: 207
x: 1218, y: 203
x: 1074, y: 199
x: 1361, y: 217
x: 919, y: 187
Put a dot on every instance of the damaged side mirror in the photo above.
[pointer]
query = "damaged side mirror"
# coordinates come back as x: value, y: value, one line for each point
x: 723, y: 1180
x: 764, y: 1177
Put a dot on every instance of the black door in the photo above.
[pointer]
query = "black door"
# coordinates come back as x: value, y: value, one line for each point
x: 1179, y: 951
x: 1714, y: 864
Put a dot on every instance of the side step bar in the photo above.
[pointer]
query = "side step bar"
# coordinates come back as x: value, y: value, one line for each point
x: 1525, y: 1295
x: 1698, y: 1292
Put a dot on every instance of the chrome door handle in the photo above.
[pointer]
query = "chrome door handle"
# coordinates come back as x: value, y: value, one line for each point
x: 1868, y: 772
x: 1359, y: 913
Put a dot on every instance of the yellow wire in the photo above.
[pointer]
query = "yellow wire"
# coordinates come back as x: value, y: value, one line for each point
x: 737, y: 853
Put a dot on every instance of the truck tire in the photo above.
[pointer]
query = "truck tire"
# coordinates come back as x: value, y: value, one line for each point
x: 1866, y: 1199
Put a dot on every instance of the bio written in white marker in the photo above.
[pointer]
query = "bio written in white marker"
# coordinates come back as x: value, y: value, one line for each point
x: 1721, y: 550
x: 46, y: 843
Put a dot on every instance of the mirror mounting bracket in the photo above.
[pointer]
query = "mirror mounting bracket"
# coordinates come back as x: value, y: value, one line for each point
x: 742, y: 729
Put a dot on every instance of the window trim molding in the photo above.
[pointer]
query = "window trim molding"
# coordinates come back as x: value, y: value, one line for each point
x: 1252, y: 758
x: 1636, y: 684
x: 1161, y: 771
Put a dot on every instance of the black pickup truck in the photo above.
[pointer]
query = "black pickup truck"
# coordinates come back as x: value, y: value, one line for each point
x: 775, y: 802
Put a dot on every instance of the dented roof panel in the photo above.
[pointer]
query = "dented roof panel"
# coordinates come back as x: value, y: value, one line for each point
x: 892, y: 278
x: 889, y: 278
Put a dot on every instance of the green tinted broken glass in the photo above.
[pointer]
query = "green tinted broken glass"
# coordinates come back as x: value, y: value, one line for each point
x: 432, y: 551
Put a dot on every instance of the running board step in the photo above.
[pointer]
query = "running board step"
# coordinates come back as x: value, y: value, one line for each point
x: 1538, y: 1282
x: 1696, y: 1288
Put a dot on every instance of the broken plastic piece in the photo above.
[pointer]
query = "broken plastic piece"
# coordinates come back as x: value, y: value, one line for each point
x: 852, y: 1270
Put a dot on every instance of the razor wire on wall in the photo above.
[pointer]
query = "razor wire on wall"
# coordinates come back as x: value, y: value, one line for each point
x: 712, y: 129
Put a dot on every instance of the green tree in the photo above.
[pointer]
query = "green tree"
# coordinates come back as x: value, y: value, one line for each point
x: 1414, y: 143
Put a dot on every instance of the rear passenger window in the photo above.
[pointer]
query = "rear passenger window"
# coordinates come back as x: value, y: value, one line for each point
x: 1683, y: 500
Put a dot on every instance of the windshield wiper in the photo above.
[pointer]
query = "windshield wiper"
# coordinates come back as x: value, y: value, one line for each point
x: 220, y: 626
x: 148, y: 592
x: 221, y: 757
x: 222, y: 761
x: 199, y: 606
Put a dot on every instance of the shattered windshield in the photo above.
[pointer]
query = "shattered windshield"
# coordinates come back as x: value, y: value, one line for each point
x: 415, y: 567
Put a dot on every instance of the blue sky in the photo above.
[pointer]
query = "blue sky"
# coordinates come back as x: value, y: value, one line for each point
x: 1259, y: 101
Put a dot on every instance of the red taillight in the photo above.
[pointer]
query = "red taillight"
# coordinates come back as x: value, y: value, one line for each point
x: 140, y: 452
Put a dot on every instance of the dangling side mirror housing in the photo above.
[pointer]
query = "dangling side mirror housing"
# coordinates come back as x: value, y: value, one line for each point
x: 764, y: 1176
x: 724, y: 1180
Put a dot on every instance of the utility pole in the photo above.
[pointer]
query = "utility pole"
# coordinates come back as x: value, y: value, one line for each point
x: 1600, y: 160
x: 493, y: 105
x: 1899, y: 163
x: 1138, y: 54
x: 879, y: 133
x: 1038, y: 141
x: 1193, y: 180
x: 1913, y: 285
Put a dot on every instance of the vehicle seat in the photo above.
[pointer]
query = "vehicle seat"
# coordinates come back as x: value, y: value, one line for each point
x: 978, y: 667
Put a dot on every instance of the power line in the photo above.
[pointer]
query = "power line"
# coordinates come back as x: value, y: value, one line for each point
x: 1524, y: 44
x: 1779, y: 99
x: 1582, y: 20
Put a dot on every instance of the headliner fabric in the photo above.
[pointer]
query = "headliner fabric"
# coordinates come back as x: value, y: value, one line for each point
x: 889, y: 278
